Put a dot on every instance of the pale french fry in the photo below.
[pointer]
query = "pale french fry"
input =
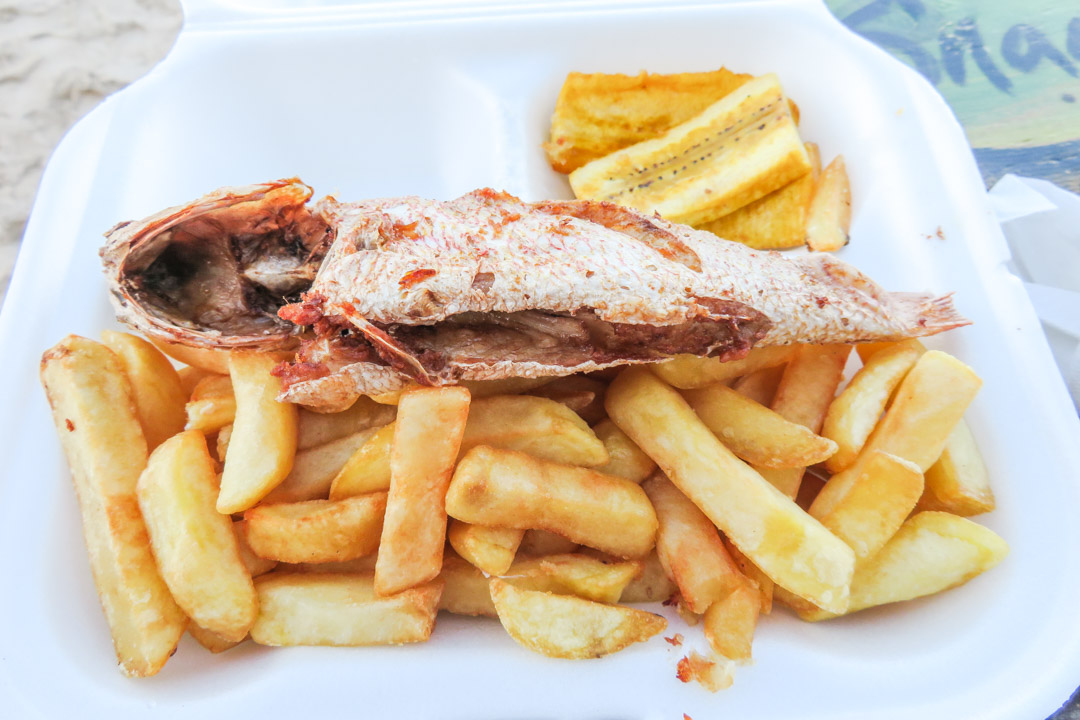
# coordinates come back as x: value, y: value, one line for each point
x: 754, y: 432
x: 730, y: 622
x: 211, y: 640
x: 214, y: 361
x: 541, y: 542
x: 427, y: 437
x: 263, y: 443
x: 574, y: 574
x: 794, y: 549
x: 314, y: 470
x: 929, y: 403
x: 828, y: 220
x: 316, y: 531
x: 687, y: 372
x: 855, y: 411
x: 212, y: 405
x: 564, y: 626
x: 760, y: 385
x: 159, y: 396
x: 689, y: 547
x: 190, y: 377
x: 866, y: 504
x: 105, y: 448
x: 958, y: 482
x: 255, y: 565
x: 652, y: 585
x: 762, y: 582
x: 489, y: 548
x: 625, y: 459
x: 584, y: 395
x: 466, y: 590
x: 194, y: 545
x: 505, y: 488
x: 321, y: 428
x: 931, y: 552
x: 333, y: 609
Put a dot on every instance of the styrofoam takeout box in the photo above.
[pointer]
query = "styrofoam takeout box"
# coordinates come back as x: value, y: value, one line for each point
x: 437, y: 99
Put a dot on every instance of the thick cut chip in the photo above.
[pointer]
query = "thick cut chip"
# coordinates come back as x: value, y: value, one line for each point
x: 95, y: 418
x: 794, y: 549
x: 255, y: 565
x: 155, y: 385
x: 625, y: 459
x: 194, y: 544
x: 211, y: 640
x: 466, y: 590
x: 316, y: 530
x: 212, y: 405
x: 690, y: 371
x: 575, y: 574
x: 579, y: 393
x: 762, y: 582
x: 563, y: 626
x: 317, y: 429
x: 336, y: 609
x: 190, y: 377
x: 367, y: 469
x: 314, y: 470
x: 489, y: 548
x: 760, y: 385
x: 958, y: 482
x: 652, y: 585
x: 541, y: 542
x: 730, y: 622
x: 828, y: 221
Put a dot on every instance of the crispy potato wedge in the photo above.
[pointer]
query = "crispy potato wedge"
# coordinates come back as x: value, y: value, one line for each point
x: 214, y: 361
x: 687, y: 372
x: 958, y: 482
x: 316, y: 531
x: 491, y: 549
x: 314, y: 470
x: 194, y: 545
x: 794, y: 549
x: 574, y: 574
x: 828, y: 221
x: 541, y: 542
x: 855, y: 411
x: 466, y: 590
x: 754, y: 432
x: 317, y: 429
x: 427, y: 437
x: 211, y: 640
x: 563, y: 626
x: 212, y: 405
x: 159, y: 395
x: 95, y: 418
x: 690, y: 548
x: 866, y: 504
x: 760, y: 385
x: 505, y: 488
x: 652, y: 585
x: 730, y: 622
x: 625, y: 459
x: 333, y: 609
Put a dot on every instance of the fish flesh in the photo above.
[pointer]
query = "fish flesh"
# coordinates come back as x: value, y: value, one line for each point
x: 377, y: 294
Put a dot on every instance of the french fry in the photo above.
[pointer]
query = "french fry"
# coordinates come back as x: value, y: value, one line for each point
x: 931, y: 552
x: 210, y: 640
x: 574, y: 574
x: 866, y: 504
x: 333, y: 609
x: 730, y: 622
x: 687, y: 372
x: 255, y: 565
x: 221, y: 443
x: 584, y: 395
x: 489, y: 548
x: 190, y: 377
x: 505, y: 488
x: 541, y: 542
x: 855, y: 411
x: 105, y: 448
x: 465, y: 590
x: 194, y: 545
x: 321, y: 428
x: 367, y: 469
x: 794, y: 549
x: 564, y: 626
x: 625, y: 459
x: 155, y: 386
x: 263, y: 443
x: 214, y: 361
x: 212, y: 405
x: 755, y: 433
x: 356, y: 566
x: 762, y: 582
x: 652, y: 585
x: 760, y: 385
x: 958, y: 482
x: 689, y: 548
x: 427, y: 436
x: 314, y: 470
x: 316, y: 531
x: 828, y: 221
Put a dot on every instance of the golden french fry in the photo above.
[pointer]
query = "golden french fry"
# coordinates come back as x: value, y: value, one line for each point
x: 794, y: 549
x: 194, y: 545
x: 541, y: 542
x: 314, y: 470
x: 211, y: 640
x: 316, y: 531
x: 958, y: 482
x: 754, y: 432
x: 105, y: 448
x: 760, y: 385
x: 212, y: 405
x: 652, y: 585
x: 466, y: 590
x: 263, y: 443
x: 367, y: 469
x: 626, y: 460
x: 574, y: 574
x: 690, y: 548
x: 321, y: 428
x: 505, y: 488
x: 581, y: 394
x: 564, y: 626
x: 214, y: 361
x: 730, y: 622
x: 333, y: 609
x: 190, y: 377
x: 427, y: 437
x: 931, y: 552
x: 687, y: 372
x: 762, y: 582
x: 255, y: 565
x: 866, y: 504
x: 489, y: 548
x: 828, y: 220
x: 929, y: 403
x: 155, y: 386
x: 855, y: 411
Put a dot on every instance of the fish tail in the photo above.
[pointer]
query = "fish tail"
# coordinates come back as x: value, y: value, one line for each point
x: 927, y: 314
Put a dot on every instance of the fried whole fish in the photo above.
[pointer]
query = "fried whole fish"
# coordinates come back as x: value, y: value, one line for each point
x: 376, y: 294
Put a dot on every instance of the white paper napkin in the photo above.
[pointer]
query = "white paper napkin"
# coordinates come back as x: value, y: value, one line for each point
x: 1042, y: 224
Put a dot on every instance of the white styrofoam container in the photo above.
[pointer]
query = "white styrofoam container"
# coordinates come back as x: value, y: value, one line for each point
x: 437, y: 99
